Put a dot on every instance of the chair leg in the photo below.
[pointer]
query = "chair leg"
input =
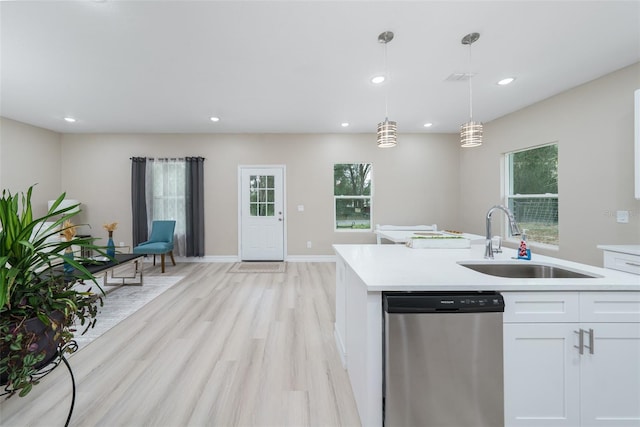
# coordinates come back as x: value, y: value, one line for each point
x: 162, y: 261
x: 154, y: 259
x: 172, y: 260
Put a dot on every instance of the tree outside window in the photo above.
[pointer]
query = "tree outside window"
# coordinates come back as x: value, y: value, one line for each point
x: 532, y: 191
x: 352, y: 196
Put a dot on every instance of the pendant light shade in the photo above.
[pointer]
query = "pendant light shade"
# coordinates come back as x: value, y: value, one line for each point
x: 387, y: 136
x: 470, y: 132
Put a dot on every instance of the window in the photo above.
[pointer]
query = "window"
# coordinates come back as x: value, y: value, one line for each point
x: 352, y: 196
x: 169, y: 189
x: 168, y: 192
x: 166, y: 196
x: 262, y: 195
x: 532, y: 191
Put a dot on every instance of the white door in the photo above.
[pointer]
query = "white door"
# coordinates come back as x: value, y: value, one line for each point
x: 262, y: 214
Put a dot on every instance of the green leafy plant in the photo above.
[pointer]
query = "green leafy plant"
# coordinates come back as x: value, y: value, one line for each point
x: 36, y: 297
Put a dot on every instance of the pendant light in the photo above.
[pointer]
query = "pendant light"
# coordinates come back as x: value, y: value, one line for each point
x: 470, y: 132
x: 386, y: 130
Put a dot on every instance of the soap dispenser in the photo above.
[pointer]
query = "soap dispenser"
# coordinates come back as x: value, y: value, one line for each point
x: 524, y: 252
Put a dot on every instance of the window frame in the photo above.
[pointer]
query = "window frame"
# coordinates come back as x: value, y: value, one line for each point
x: 507, y: 184
x: 368, y: 197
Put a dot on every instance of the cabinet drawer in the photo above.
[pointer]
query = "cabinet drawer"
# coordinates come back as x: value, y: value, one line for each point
x: 623, y: 262
x: 541, y: 307
x: 610, y: 307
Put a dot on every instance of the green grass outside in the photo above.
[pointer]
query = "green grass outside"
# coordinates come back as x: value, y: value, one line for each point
x: 541, y: 233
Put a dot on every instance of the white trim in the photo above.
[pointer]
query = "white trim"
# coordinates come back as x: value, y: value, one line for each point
x: 341, y: 350
x: 209, y: 258
x: 203, y: 259
x: 636, y: 125
x: 236, y: 258
x: 310, y: 258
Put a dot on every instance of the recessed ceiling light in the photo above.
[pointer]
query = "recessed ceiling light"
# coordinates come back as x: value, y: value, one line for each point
x: 506, y: 81
x: 344, y: 124
x: 214, y: 119
x: 376, y: 80
x: 69, y: 119
x: 428, y: 125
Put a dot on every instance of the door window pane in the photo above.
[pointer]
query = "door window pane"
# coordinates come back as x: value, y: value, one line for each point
x: 262, y: 195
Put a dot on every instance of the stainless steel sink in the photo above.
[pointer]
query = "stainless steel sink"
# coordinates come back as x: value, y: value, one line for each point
x: 527, y: 270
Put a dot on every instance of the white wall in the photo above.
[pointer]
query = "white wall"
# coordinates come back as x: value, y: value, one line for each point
x: 593, y: 126
x: 426, y: 179
x: 30, y: 155
x: 414, y: 183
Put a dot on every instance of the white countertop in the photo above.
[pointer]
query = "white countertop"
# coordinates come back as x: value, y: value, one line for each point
x: 399, y: 268
x: 625, y: 249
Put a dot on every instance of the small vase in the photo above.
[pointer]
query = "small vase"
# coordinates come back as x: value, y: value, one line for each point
x: 111, y: 247
x: 67, y: 268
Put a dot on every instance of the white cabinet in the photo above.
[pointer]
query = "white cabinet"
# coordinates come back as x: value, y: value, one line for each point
x: 610, y: 377
x: 622, y: 257
x: 548, y: 382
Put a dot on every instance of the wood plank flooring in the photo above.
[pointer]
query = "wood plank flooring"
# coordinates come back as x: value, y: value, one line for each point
x: 217, y: 349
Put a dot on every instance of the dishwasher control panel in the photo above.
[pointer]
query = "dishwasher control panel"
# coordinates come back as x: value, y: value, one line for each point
x: 438, y: 302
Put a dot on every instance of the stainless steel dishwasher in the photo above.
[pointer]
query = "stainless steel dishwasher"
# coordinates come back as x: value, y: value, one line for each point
x: 443, y: 359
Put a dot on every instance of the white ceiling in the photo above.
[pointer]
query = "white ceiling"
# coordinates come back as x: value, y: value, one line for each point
x: 297, y: 66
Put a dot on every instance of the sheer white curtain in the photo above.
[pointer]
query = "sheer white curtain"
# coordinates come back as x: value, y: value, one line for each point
x: 165, y: 196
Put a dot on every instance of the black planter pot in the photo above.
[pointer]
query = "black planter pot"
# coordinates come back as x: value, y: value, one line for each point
x: 47, y: 339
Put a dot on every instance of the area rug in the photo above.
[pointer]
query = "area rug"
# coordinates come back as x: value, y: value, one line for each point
x: 258, y: 267
x: 121, y: 302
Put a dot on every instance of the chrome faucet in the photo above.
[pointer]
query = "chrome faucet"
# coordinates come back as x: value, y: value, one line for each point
x: 513, y: 226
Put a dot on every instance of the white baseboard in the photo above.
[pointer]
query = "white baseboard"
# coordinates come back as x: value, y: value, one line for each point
x: 310, y: 258
x: 235, y: 258
x: 209, y: 258
x: 340, y: 345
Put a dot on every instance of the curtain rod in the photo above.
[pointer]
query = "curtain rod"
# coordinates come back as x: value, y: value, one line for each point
x: 169, y: 158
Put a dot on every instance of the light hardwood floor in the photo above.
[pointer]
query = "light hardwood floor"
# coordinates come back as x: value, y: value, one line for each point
x: 217, y: 349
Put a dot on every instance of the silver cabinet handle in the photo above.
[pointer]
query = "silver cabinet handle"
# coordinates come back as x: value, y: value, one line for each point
x: 590, y: 346
x: 632, y: 264
x: 580, y: 345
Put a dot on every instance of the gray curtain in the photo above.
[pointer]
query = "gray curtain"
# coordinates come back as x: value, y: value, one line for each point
x: 138, y: 200
x: 194, y: 189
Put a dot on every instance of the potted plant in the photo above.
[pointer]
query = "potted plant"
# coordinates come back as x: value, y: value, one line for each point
x: 39, y: 306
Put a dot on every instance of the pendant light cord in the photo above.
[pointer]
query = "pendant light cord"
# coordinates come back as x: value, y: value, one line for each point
x: 470, y: 87
x: 388, y: 79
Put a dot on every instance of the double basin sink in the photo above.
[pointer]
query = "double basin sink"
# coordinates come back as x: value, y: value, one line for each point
x: 526, y: 270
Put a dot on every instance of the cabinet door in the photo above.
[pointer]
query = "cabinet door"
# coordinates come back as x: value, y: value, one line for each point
x: 541, y: 375
x: 610, y: 377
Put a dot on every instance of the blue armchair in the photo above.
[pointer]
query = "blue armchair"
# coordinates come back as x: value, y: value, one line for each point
x: 160, y: 242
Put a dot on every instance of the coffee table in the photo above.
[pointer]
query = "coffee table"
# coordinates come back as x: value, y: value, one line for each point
x: 108, y: 269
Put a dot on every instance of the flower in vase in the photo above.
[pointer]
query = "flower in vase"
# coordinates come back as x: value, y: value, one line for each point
x: 68, y: 230
x: 110, y: 227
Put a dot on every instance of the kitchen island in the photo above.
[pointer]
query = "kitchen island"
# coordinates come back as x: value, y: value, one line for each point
x: 610, y: 298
